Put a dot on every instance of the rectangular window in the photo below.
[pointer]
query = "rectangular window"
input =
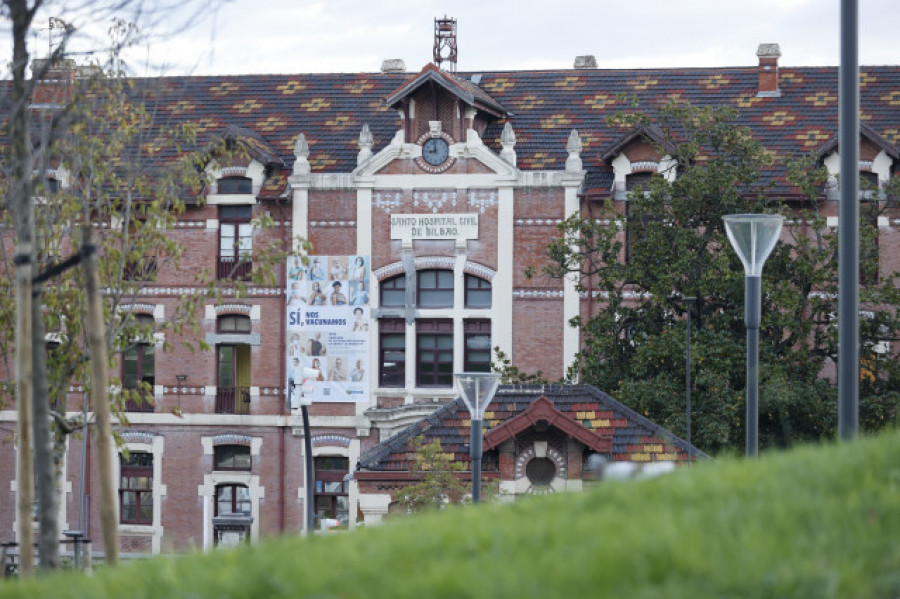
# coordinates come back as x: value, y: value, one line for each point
x: 136, y: 488
x: 235, y: 242
x: 141, y: 268
x: 434, y: 353
x: 331, y: 489
x: 233, y: 378
x: 232, y: 457
x: 477, y: 354
x: 869, y: 252
x: 392, y: 352
x: 435, y: 288
x: 139, y: 373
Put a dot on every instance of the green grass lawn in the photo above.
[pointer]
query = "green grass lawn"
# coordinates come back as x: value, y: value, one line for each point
x: 813, y: 522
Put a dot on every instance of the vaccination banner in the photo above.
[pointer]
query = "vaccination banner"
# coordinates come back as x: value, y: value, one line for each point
x: 328, y: 327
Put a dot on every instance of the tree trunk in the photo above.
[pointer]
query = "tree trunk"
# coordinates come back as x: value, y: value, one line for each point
x: 44, y: 467
x: 100, y: 396
x: 20, y: 201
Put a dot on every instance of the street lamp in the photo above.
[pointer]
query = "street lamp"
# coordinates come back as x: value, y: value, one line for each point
x: 304, y: 398
x: 477, y: 390
x: 753, y: 237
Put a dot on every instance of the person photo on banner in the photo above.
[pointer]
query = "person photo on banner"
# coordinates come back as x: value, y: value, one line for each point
x: 295, y: 347
x: 359, y: 324
x: 295, y: 298
x: 358, y: 270
x: 316, y: 365
x: 317, y: 298
x: 316, y: 271
x: 296, y: 270
x: 359, y: 296
x: 315, y: 347
x: 358, y: 373
x: 337, y: 297
x: 337, y: 371
x: 338, y: 271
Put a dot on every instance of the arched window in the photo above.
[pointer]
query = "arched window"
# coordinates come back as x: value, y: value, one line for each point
x: 235, y: 185
x: 478, y: 292
x: 233, y: 323
x: 232, y: 457
x: 232, y: 500
x: 393, y: 292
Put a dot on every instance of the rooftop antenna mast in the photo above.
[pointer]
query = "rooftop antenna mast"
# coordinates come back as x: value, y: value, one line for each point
x: 445, y: 42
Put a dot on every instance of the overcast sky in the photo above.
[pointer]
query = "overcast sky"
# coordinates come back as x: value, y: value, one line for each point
x: 298, y: 36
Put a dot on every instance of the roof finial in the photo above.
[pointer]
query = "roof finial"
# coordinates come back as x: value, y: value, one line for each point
x: 301, y: 152
x: 508, y: 141
x: 573, y: 147
x: 366, y: 141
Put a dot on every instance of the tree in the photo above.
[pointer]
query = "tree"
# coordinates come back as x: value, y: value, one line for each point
x: 111, y: 178
x: 439, y: 484
x: 671, y: 244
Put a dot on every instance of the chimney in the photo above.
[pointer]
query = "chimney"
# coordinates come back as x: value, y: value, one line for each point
x: 56, y: 83
x: 393, y: 65
x: 768, y: 71
x: 587, y: 61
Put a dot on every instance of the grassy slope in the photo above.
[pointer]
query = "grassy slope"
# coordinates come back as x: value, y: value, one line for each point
x: 814, y: 522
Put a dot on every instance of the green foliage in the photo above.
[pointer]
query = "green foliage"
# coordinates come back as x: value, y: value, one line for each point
x: 510, y: 374
x: 439, y: 484
x: 813, y: 522
x: 634, y: 345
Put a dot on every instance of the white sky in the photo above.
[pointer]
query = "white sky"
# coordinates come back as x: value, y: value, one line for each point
x: 300, y: 36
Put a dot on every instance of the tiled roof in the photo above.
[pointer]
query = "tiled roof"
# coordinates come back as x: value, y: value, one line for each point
x: 545, y: 106
x: 634, y: 437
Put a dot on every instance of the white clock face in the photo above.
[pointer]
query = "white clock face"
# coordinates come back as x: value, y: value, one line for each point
x: 435, y: 151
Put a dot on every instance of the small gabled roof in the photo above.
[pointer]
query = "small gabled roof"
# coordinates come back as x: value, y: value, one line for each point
x: 257, y: 146
x: 640, y: 133
x: 543, y: 410
x: 466, y: 91
x: 581, y: 411
x: 865, y: 132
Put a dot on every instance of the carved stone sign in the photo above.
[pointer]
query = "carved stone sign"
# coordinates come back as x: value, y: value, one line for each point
x: 409, y: 227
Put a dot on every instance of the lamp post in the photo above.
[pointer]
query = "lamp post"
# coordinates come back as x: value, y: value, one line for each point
x: 477, y: 390
x: 688, y: 306
x: 308, y: 374
x: 753, y: 237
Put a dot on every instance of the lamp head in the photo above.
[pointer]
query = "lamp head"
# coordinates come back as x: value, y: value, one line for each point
x: 477, y: 390
x: 753, y: 237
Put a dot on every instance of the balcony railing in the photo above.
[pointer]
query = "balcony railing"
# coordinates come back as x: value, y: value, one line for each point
x: 138, y: 405
x: 233, y: 400
x: 230, y: 268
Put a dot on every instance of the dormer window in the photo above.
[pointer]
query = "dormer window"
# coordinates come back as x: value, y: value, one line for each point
x: 868, y: 185
x: 235, y: 186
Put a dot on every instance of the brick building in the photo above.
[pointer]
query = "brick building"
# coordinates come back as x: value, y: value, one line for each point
x: 447, y: 186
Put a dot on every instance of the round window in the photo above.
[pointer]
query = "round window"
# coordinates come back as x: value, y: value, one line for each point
x: 540, y: 471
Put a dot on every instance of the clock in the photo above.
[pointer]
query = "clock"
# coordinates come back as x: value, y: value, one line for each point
x: 435, y: 150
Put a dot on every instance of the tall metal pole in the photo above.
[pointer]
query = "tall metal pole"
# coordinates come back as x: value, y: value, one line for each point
x: 752, y: 318
x: 476, y: 444
x: 310, y: 478
x: 689, y: 302
x: 848, y: 226
x: 475, y: 451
